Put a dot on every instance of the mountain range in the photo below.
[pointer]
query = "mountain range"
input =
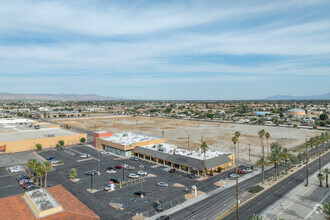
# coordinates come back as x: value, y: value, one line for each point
x: 289, y: 97
x: 55, y: 97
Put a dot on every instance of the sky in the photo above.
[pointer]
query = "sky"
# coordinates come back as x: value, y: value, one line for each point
x: 166, y: 49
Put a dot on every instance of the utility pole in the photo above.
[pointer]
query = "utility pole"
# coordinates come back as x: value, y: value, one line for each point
x: 123, y: 174
x: 319, y: 157
x: 236, y: 190
x: 306, y: 164
x: 162, y: 133
x: 238, y: 151
x: 249, y: 152
x: 188, y: 141
x: 91, y: 183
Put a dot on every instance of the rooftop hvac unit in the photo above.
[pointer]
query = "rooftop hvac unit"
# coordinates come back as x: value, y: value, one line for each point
x: 125, y: 135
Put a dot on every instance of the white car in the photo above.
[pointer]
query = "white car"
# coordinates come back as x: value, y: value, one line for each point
x: 15, y: 169
x: 111, y: 171
x: 248, y: 170
x: 162, y: 184
x: 103, y: 152
x: 142, y: 173
x: 85, y: 155
x: 54, y: 161
x: 233, y: 175
x: 133, y: 176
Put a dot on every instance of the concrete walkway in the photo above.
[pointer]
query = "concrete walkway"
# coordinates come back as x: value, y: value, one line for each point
x: 302, y: 203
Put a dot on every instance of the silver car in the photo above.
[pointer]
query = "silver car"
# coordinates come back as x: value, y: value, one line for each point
x: 133, y: 176
x: 142, y: 173
x: 163, y: 184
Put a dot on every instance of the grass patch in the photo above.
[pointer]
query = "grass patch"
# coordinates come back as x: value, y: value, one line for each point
x: 255, y: 189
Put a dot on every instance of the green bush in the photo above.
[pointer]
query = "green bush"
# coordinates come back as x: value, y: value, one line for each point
x: 77, y: 155
x: 39, y: 147
x: 255, y: 189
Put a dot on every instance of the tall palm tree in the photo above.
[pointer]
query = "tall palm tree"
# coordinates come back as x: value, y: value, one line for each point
x: 48, y: 167
x: 267, y: 136
x: 275, y: 156
x: 41, y: 172
x: 204, y: 148
x: 326, y: 209
x: 321, y: 178
x: 255, y: 217
x: 35, y: 168
x: 30, y: 164
x: 326, y: 172
x: 237, y: 134
x: 261, y: 134
x: 262, y: 162
x: 234, y: 140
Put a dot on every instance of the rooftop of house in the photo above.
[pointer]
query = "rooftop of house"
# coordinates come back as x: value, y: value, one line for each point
x: 128, y: 138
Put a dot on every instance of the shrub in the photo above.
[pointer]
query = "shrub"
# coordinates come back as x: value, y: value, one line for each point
x: 82, y: 140
x: 39, y: 147
x: 73, y: 173
x: 255, y: 189
x: 77, y: 155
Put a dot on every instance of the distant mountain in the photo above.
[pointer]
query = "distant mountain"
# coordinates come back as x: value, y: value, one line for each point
x: 289, y: 97
x: 55, y: 97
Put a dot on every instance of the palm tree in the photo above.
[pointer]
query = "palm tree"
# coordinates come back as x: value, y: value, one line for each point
x: 255, y: 217
x: 321, y: 178
x: 262, y: 162
x: 267, y: 136
x: 286, y: 155
x: 73, y: 173
x: 237, y: 134
x: 48, y: 167
x: 261, y: 134
x: 204, y: 148
x: 35, y: 168
x: 234, y: 140
x: 30, y: 164
x: 275, y: 156
x: 326, y: 209
x: 41, y: 172
x: 326, y: 172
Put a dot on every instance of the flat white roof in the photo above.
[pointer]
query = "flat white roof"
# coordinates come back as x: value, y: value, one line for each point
x: 128, y: 138
x: 14, y: 120
x: 197, y: 154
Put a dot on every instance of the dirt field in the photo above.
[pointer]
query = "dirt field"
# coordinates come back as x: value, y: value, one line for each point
x: 216, y: 135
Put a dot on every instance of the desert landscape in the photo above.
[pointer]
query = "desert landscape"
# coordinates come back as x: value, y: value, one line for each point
x: 216, y: 135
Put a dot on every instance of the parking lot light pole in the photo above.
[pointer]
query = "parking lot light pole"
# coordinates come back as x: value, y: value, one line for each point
x: 91, y: 183
x: 123, y: 175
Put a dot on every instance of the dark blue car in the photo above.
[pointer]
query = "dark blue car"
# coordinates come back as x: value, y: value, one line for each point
x: 50, y: 158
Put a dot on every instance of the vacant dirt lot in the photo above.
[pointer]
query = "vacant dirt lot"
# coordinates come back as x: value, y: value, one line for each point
x: 216, y: 135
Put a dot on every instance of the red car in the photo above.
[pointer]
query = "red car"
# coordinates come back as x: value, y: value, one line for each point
x: 119, y: 167
x: 172, y: 170
x: 26, y: 185
x: 241, y: 171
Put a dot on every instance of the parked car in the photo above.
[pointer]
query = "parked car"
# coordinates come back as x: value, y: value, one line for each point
x: 191, y: 175
x: 32, y: 187
x: 172, y: 170
x: 159, y: 206
x: 163, y: 184
x: 163, y: 217
x: 129, y: 167
x: 114, y: 180
x: 107, y: 187
x: 21, y: 182
x: 111, y: 168
x: 134, y: 158
x: 54, y: 161
x: 15, y: 169
x: 111, y: 171
x: 50, y: 158
x: 119, y: 167
x: 139, y: 193
x: 19, y: 177
x: 142, y: 173
x: 92, y: 172
x: 232, y: 175
x: 133, y: 176
x: 248, y: 170
x: 25, y: 185
x: 241, y: 172
x: 85, y: 155
x: 103, y: 152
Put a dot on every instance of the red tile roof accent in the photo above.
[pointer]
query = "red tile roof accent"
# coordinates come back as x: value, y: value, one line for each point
x: 3, y: 148
x: 15, y: 207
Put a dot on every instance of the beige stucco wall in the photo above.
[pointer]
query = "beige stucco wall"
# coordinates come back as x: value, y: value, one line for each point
x: 99, y: 142
x: 24, y: 145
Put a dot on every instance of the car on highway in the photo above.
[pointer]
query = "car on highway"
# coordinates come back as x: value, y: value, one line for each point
x: 50, y: 158
x: 85, y: 155
x: 114, y: 180
x: 134, y: 158
x: 118, y: 166
x: 163, y: 184
x: 92, y: 172
x: 232, y: 175
x: 159, y: 206
x: 139, y: 193
x: 172, y: 170
x: 133, y: 176
x: 163, y: 217
x: 142, y: 173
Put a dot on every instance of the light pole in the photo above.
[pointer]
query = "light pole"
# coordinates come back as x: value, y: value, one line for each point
x: 91, y: 182
x: 188, y: 141
x: 162, y: 133
x: 123, y: 175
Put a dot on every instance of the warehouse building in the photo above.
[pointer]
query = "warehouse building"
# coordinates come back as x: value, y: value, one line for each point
x: 23, y: 134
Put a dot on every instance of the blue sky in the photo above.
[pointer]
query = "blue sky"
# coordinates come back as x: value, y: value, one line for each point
x: 166, y: 49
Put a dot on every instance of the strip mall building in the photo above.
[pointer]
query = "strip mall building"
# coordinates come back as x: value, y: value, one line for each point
x: 156, y: 149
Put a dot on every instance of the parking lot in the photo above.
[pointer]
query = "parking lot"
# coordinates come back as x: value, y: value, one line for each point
x: 99, y: 201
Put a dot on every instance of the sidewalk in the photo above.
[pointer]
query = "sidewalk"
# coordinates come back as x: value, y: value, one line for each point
x: 302, y: 203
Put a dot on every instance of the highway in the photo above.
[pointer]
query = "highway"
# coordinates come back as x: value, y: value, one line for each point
x: 212, y: 207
